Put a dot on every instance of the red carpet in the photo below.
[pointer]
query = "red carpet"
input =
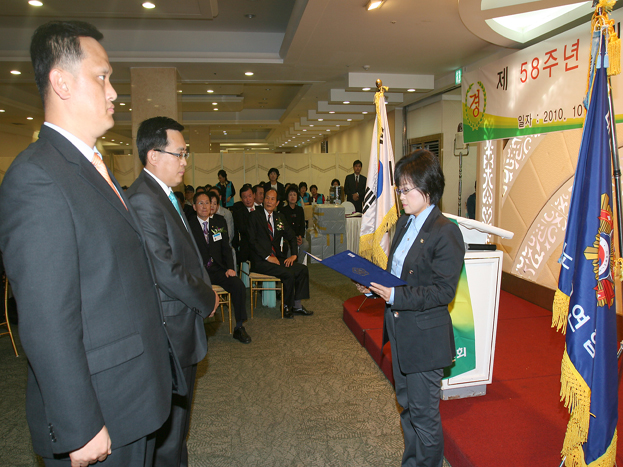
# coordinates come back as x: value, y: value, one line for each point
x: 520, y: 421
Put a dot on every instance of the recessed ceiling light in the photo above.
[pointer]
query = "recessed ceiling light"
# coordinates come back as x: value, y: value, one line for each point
x: 103, y: 137
x: 349, y: 119
x: 249, y: 73
x: 112, y: 139
x: 35, y: 3
x: 267, y: 89
x: 298, y: 134
x: 365, y: 89
x: 16, y: 72
x: 210, y: 91
x: 215, y: 108
x: 321, y: 119
x: 149, y: 5
x: 346, y: 102
x: 365, y: 113
x: 311, y: 125
x: 179, y: 90
x: 411, y: 90
x: 2, y: 110
x: 249, y: 15
x: 328, y: 129
x: 332, y: 112
x: 28, y: 118
x: 121, y: 103
x: 304, y: 130
x: 130, y: 110
x: 374, y: 4
x: 336, y: 125
x: 214, y: 103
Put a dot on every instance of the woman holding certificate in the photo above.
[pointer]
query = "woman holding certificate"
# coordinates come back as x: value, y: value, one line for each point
x: 427, y: 252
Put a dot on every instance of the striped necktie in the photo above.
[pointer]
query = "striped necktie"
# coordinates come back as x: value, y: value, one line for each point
x: 271, y: 233
x: 206, y: 234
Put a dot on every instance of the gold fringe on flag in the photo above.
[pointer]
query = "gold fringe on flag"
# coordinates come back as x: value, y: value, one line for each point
x: 370, y: 244
x: 560, y: 311
x: 608, y: 459
x: 577, y: 398
x: 613, y: 43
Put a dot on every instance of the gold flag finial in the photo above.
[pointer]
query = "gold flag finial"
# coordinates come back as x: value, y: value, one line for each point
x: 379, y: 85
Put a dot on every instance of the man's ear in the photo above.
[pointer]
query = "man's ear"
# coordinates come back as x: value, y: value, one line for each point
x: 60, y: 82
x: 152, y: 157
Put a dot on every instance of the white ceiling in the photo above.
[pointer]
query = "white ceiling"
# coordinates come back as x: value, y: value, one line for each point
x: 298, y: 50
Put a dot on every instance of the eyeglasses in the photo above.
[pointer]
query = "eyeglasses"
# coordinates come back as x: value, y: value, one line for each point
x: 403, y: 191
x: 183, y: 154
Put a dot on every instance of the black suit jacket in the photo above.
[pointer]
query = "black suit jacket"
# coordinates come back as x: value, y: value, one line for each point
x: 350, y: 187
x: 241, y: 241
x: 90, y: 320
x: 185, y: 288
x: 431, y: 269
x: 296, y: 218
x: 259, y: 237
x: 281, y: 190
x: 220, y: 250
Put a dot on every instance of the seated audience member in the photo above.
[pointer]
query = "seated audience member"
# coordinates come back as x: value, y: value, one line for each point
x: 335, y: 182
x: 258, y: 194
x: 189, y: 193
x: 295, y: 216
x: 208, y: 187
x: 273, y: 175
x: 270, y: 237
x: 305, y: 196
x: 240, y: 241
x: 226, y: 188
x: 229, y: 218
x: 316, y: 197
x: 210, y: 232
x: 200, y: 189
x: 180, y: 198
x: 240, y: 204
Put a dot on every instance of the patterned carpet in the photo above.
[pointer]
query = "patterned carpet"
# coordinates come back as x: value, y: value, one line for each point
x: 303, y: 393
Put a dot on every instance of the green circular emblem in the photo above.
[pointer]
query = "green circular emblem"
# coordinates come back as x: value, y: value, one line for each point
x: 475, y: 105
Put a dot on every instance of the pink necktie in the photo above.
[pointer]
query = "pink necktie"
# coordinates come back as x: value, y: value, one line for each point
x: 99, y: 165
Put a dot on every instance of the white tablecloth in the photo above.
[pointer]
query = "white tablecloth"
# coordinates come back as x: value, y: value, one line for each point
x: 353, y: 226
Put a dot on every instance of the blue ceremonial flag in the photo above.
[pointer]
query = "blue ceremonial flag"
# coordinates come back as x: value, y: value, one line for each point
x: 584, y: 305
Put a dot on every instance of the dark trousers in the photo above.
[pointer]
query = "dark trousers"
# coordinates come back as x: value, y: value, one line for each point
x: 418, y: 394
x: 295, y: 279
x: 171, y: 450
x: 136, y: 454
x: 235, y: 287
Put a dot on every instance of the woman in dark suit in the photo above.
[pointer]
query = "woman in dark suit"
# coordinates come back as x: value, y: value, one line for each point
x: 427, y: 252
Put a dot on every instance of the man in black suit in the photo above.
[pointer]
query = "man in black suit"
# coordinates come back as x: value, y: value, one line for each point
x: 258, y: 193
x: 273, y: 175
x: 185, y: 290
x: 241, y: 240
x: 270, y: 236
x: 355, y: 186
x: 210, y: 232
x: 90, y: 322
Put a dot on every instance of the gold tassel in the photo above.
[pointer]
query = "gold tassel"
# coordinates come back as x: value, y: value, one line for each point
x: 560, y: 311
x: 608, y: 459
x: 577, y: 398
x: 614, y: 55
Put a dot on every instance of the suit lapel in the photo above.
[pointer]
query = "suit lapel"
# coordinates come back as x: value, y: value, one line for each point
x: 89, y: 173
x: 421, y: 241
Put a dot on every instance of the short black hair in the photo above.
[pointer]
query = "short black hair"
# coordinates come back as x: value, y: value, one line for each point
x: 357, y: 162
x: 273, y: 169
x: 302, y: 184
x: 292, y: 189
x: 312, y: 187
x: 198, y: 194
x: 200, y: 189
x: 246, y: 187
x: 180, y: 196
x: 152, y: 134
x: 423, y: 171
x: 222, y: 173
x: 335, y: 180
x: 256, y: 187
x: 216, y: 191
x: 57, y: 44
x: 213, y: 195
x: 189, y: 188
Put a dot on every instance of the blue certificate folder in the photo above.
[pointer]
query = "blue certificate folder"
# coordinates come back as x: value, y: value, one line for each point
x: 360, y: 269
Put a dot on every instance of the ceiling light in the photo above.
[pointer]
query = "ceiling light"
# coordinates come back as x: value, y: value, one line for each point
x: 121, y: 103
x: 2, y: 110
x: 346, y: 102
x: 28, y: 118
x: 365, y: 113
x: 411, y: 90
x: 112, y: 139
x: 149, y: 5
x: 179, y: 90
x: 103, y: 137
x: 35, y: 3
x: 249, y: 15
x: 16, y: 72
x: 215, y: 108
x: 336, y: 125
x: 374, y: 4
x: 332, y: 112
x: 525, y: 22
x: 321, y: 119
x: 298, y: 134
x: 214, y: 103
x: 304, y: 130
x: 249, y: 73
x: 365, y: 89
x: 311, y: 125
x: 328, y: 129
x: 210, y: 91
x: 267, y: 89
x: 130, y: 110
x: 349, y: 119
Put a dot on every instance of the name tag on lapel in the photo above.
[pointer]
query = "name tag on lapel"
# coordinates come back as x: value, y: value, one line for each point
x: 217, y: 237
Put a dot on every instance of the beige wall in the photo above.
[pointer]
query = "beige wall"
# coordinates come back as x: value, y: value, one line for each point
x: 12, y: 144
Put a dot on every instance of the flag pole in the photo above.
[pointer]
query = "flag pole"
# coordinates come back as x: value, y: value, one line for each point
x: 379, y: 87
